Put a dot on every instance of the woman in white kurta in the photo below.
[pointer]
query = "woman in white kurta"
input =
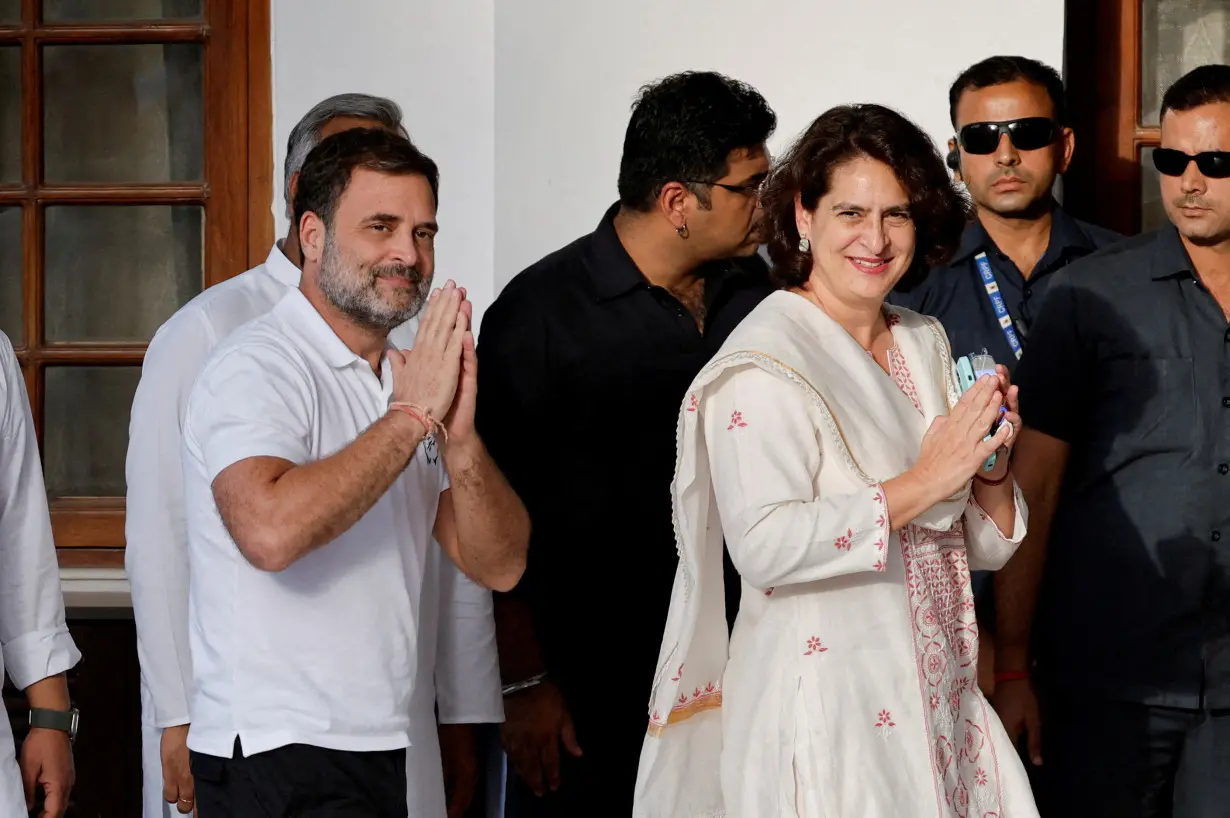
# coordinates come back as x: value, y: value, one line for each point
x: 828, y: 443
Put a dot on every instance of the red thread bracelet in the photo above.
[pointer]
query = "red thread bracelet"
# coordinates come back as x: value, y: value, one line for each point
x: 423, y: 416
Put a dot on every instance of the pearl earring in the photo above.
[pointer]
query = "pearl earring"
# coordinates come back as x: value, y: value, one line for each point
x: 804, y: 245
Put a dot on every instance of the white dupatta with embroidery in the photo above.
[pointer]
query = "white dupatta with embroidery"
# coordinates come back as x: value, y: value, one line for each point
x: 869, y: 434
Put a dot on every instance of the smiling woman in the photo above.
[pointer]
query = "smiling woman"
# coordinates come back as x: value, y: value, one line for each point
x: 846, y: 481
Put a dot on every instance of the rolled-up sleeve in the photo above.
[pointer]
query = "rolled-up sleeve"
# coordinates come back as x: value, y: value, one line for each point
x: 34, y: 636
x: 987, y: 548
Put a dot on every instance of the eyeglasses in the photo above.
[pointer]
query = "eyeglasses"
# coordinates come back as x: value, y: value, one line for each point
x: 746, y: 190
x: 1213, y: 164
x: 1028, y: 134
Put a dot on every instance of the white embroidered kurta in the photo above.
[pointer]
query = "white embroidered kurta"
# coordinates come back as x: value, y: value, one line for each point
x: 850, y: 688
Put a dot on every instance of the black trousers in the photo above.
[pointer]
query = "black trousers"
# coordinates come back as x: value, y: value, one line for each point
x: 1124, y: 760
x: 300, y: 781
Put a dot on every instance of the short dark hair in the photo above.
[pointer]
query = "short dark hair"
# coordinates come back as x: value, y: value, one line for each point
x: 329, y: 167
x: 1003, y: 70
x: 685, y: 127
x: 848, y: 132
x: 1205, y: 85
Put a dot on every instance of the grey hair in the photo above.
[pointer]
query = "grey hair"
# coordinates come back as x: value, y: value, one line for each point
x: 306, y: 133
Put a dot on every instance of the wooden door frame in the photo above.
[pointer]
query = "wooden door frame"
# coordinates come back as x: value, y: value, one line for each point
x: 1103, y: 66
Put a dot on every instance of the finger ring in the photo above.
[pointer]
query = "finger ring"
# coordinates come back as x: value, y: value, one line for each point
x: 185, y: 800
x: 1011, y: 429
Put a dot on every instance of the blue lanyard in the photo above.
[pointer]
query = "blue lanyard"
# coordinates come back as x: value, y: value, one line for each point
x: 997, y: 303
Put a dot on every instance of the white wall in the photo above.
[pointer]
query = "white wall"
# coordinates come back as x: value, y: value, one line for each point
x: 566, y: 72
x: 524, y: 102
x: 435, y: 59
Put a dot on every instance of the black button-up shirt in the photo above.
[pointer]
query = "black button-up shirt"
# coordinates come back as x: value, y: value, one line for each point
x: 583, y: 367
x: 955, y: 294
x: 1129, y: 363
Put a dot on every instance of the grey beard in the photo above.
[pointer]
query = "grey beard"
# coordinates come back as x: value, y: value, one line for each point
x: 359, y: 300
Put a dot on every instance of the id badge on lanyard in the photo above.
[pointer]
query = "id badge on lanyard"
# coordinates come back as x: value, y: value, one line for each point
x: 997, y: 303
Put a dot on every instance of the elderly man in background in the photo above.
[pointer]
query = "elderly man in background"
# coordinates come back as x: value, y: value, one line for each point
x: 458, y: 650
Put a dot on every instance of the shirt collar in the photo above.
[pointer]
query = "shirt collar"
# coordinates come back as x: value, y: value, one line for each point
x: 280, y: 267
x: 612, y: 270
x: 614, y: 273
x: 302, y: 317
x: 1170, y: 258
x: 1066, y: 237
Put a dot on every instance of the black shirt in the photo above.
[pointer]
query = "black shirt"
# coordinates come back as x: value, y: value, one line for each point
x: 956, y: 296
x: 1129, y: 362
x: 583, y: 367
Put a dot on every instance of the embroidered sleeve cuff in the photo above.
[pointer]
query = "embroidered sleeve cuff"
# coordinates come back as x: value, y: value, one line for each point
x: 35, y: 656
x: 883, y: 528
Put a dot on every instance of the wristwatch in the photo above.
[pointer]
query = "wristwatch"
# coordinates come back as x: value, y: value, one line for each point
x: 64, y: 721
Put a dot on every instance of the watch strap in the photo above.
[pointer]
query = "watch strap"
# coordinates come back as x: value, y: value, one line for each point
x: 62, y: 720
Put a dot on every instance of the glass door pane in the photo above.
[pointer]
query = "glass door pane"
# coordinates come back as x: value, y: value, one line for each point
x: 115, y: 273
x: 1175, y: 37
x: 123, y: 113
x: 10, y: 115
x: 112, y: 11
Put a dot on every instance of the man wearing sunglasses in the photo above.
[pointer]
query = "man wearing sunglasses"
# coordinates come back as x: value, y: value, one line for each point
x: 1125, y: 462
x: 1012, y: 141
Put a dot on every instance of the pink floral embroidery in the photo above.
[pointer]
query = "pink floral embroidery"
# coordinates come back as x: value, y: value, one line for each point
x: 843, y: 543
x: 678, y: 674
x: 885, y: 723
x: 683, y: 698
x: 693, y: 403
x: 711, y: 687
x: 980, y: 777
x: 899, y: 371
x: 974, y: 739
x: 736, y: 421
x: 943, y: 754
x: 656, y: 716
x: 814, y: 646
x: 769, y: 592
x: 879, y: 566
x: 960, y: 799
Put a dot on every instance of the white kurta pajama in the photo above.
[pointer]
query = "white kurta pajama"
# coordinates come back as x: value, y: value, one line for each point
x: 851, y: 684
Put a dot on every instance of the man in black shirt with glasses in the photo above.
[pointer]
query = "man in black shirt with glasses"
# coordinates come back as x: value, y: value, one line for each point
x: 585, y: 359
x: 1012, y: 141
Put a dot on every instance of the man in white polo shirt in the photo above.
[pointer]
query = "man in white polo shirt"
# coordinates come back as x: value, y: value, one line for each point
x: 457, y: 659
x: 318, y: 464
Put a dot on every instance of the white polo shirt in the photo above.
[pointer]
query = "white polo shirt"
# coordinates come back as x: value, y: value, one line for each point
x: 323, y: 653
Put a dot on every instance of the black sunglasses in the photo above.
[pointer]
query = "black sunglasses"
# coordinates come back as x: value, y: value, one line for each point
x: 1213, y: 164
x: 1029, y: 134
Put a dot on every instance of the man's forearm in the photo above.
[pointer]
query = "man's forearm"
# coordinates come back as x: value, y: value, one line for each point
x: 1039, y: 468
x: 50, y: 693
x: 311, y: 505
x: 520, y: 656
x: 493, y: 528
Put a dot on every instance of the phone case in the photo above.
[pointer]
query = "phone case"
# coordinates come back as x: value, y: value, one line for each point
x: 969, y: 369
